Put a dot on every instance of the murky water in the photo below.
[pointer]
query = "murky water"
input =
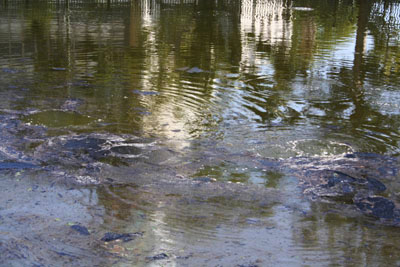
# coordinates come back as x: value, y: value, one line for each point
x: 217, y: 133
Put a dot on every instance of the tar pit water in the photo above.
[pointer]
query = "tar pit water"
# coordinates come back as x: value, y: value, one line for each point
x: 199, y: 133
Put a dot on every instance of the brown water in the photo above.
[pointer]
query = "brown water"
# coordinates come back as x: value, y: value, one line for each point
x: 124, y: 104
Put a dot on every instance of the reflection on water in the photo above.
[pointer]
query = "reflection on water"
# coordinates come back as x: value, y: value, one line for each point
x: 218, y: 83
x: 227, y: 70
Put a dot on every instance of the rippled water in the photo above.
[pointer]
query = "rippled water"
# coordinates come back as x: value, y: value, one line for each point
x: 138, y: 98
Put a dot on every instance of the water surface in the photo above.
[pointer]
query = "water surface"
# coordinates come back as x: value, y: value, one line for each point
x: 137, y: 99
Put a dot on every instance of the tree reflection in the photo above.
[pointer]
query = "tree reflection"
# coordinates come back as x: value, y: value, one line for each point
x: 366, y: 114
x: 259, y: 51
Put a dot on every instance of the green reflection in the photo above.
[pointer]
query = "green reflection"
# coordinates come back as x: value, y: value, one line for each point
x: 58, y: 119
x: 210, y: 64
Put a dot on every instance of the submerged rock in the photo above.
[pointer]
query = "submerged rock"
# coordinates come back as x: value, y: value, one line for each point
x: 194, y: 70
x: 352, y: 179
x: 332, y: 183
x: 377, y: 206
x: 139, y: 92
x: 108, y: 237
x: 191, y: 70
x: 58, y: 69
x: 80, y: 229
x: 72, y: 104
x: 161, y: 256
x: 17, y: 165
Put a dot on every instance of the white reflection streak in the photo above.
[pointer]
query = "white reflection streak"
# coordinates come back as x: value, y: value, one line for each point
x: 150, y: 12
x: 179, y: 2
x: 266, y: 21
x: 163, y: 239
x: 391, y: 13
x: 165, y: 114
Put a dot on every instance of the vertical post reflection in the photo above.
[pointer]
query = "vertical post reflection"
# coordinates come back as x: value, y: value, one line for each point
x: 363, y: 16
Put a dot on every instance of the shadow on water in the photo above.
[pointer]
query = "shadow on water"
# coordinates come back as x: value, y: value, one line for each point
x: 215, y: 133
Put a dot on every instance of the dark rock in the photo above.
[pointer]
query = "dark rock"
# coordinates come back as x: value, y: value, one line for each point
x: 87, y: 143
x: 17, y: 165
x: 108, y: 237
x: 347, y: 189
x: 194, y: 70
x: 185, y: 257
x: 138, y: 92
x: 343, y: 184
x: 80, y: 229
x: 375, y: 185
x: 97, y: 155
x: 339, y: 177
x: 376, y: 206
x: 191, y: 70
x: 109, y: 180
x: 127, y: 150
x: 161, y: 256
x: 58, y: 69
